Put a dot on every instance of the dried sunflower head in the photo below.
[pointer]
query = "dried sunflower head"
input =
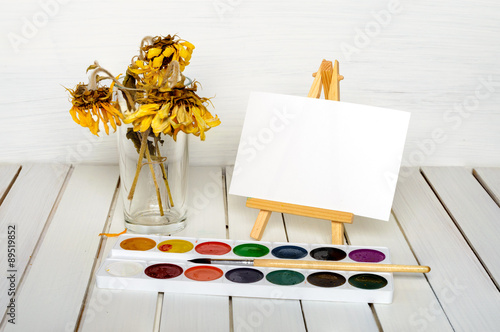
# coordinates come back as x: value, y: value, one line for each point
x: 92, y: 105
x: 150, y: 69
x: 179, y: 109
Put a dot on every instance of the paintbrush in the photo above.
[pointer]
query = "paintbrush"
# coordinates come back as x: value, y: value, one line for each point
x: 315, y: 265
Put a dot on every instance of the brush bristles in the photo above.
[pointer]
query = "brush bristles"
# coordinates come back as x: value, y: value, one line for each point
x: 201, y: 261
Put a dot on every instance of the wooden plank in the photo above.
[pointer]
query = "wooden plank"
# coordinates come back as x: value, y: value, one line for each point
x: 7, y: 174
x: 489, y: 177
x: 472, y: 209
x: 113, y: 309
x: 252, y: 314
x: 415, y: 307
x: 323, y: 316
x: 299, y: 210
x: 206, y: 218
x: 53, y: 290
x: 27, y: 206
x: 467, y: 294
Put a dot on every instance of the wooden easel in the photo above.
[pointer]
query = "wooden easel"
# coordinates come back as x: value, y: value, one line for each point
x: 327, y: 77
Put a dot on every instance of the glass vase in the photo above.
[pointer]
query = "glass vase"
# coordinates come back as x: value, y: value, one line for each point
x: 154, y: 193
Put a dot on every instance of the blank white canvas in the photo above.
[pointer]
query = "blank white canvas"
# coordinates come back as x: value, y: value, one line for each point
x: 320, y: 153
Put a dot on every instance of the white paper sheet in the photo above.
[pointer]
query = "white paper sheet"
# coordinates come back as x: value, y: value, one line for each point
x: 320, y: 153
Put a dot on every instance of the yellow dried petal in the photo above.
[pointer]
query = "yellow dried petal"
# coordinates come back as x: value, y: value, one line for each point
x: 72, y: 111
x: 82, y: 117
x: 182, y: 115
x: 143, y: 110
x: 138, y: 71
x: 174, y: 124
x: 152, y: 52
x: 94, y: 128
x: 137, y: 125
x: 174, y: 111
x: 140, y: 64
x: 112, y: 122
x: 214, y: 122
x: 183, y: 52
x: 145, y: 123
x: 149, y: 107
x: 158, y: 61
x: 188, y: 45
x: 174, y: 135
x: 164, y: 110
x: 157, y: 123
x: 106, y: 127
x: 162, y: 126
x: 160, y: 78
x: 112, y: 110
x: 168, y: 51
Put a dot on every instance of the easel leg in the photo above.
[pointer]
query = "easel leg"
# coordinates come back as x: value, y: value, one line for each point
x: 337, y: 232
x: 260, y: 224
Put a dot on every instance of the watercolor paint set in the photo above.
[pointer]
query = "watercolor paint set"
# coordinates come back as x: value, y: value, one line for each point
x: 163, y: 264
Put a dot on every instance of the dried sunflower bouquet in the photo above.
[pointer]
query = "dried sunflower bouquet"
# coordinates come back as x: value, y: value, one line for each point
x: 154, y: 106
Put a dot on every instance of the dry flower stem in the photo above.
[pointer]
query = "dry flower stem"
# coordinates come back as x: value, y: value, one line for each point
x: 150, y: 163
x: 93, y: 81
x: 164, y: 173
x: 144, y: 144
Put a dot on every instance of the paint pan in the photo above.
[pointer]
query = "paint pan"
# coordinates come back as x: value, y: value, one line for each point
x: 213, y: 248
x: 177, y: 246
x: 289, y: 252
x: 204, y: 273
x: 367, y: 256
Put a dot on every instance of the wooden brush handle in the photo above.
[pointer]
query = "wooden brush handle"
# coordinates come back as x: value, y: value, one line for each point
x: 325, y: 265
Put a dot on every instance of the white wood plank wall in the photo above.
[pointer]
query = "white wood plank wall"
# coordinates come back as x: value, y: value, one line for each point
x: 436, y: 59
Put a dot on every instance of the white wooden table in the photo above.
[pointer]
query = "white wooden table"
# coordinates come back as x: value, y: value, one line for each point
x: 447, y: 218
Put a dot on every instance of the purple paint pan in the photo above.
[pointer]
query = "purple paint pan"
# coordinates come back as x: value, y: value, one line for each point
x: 367, y: 255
